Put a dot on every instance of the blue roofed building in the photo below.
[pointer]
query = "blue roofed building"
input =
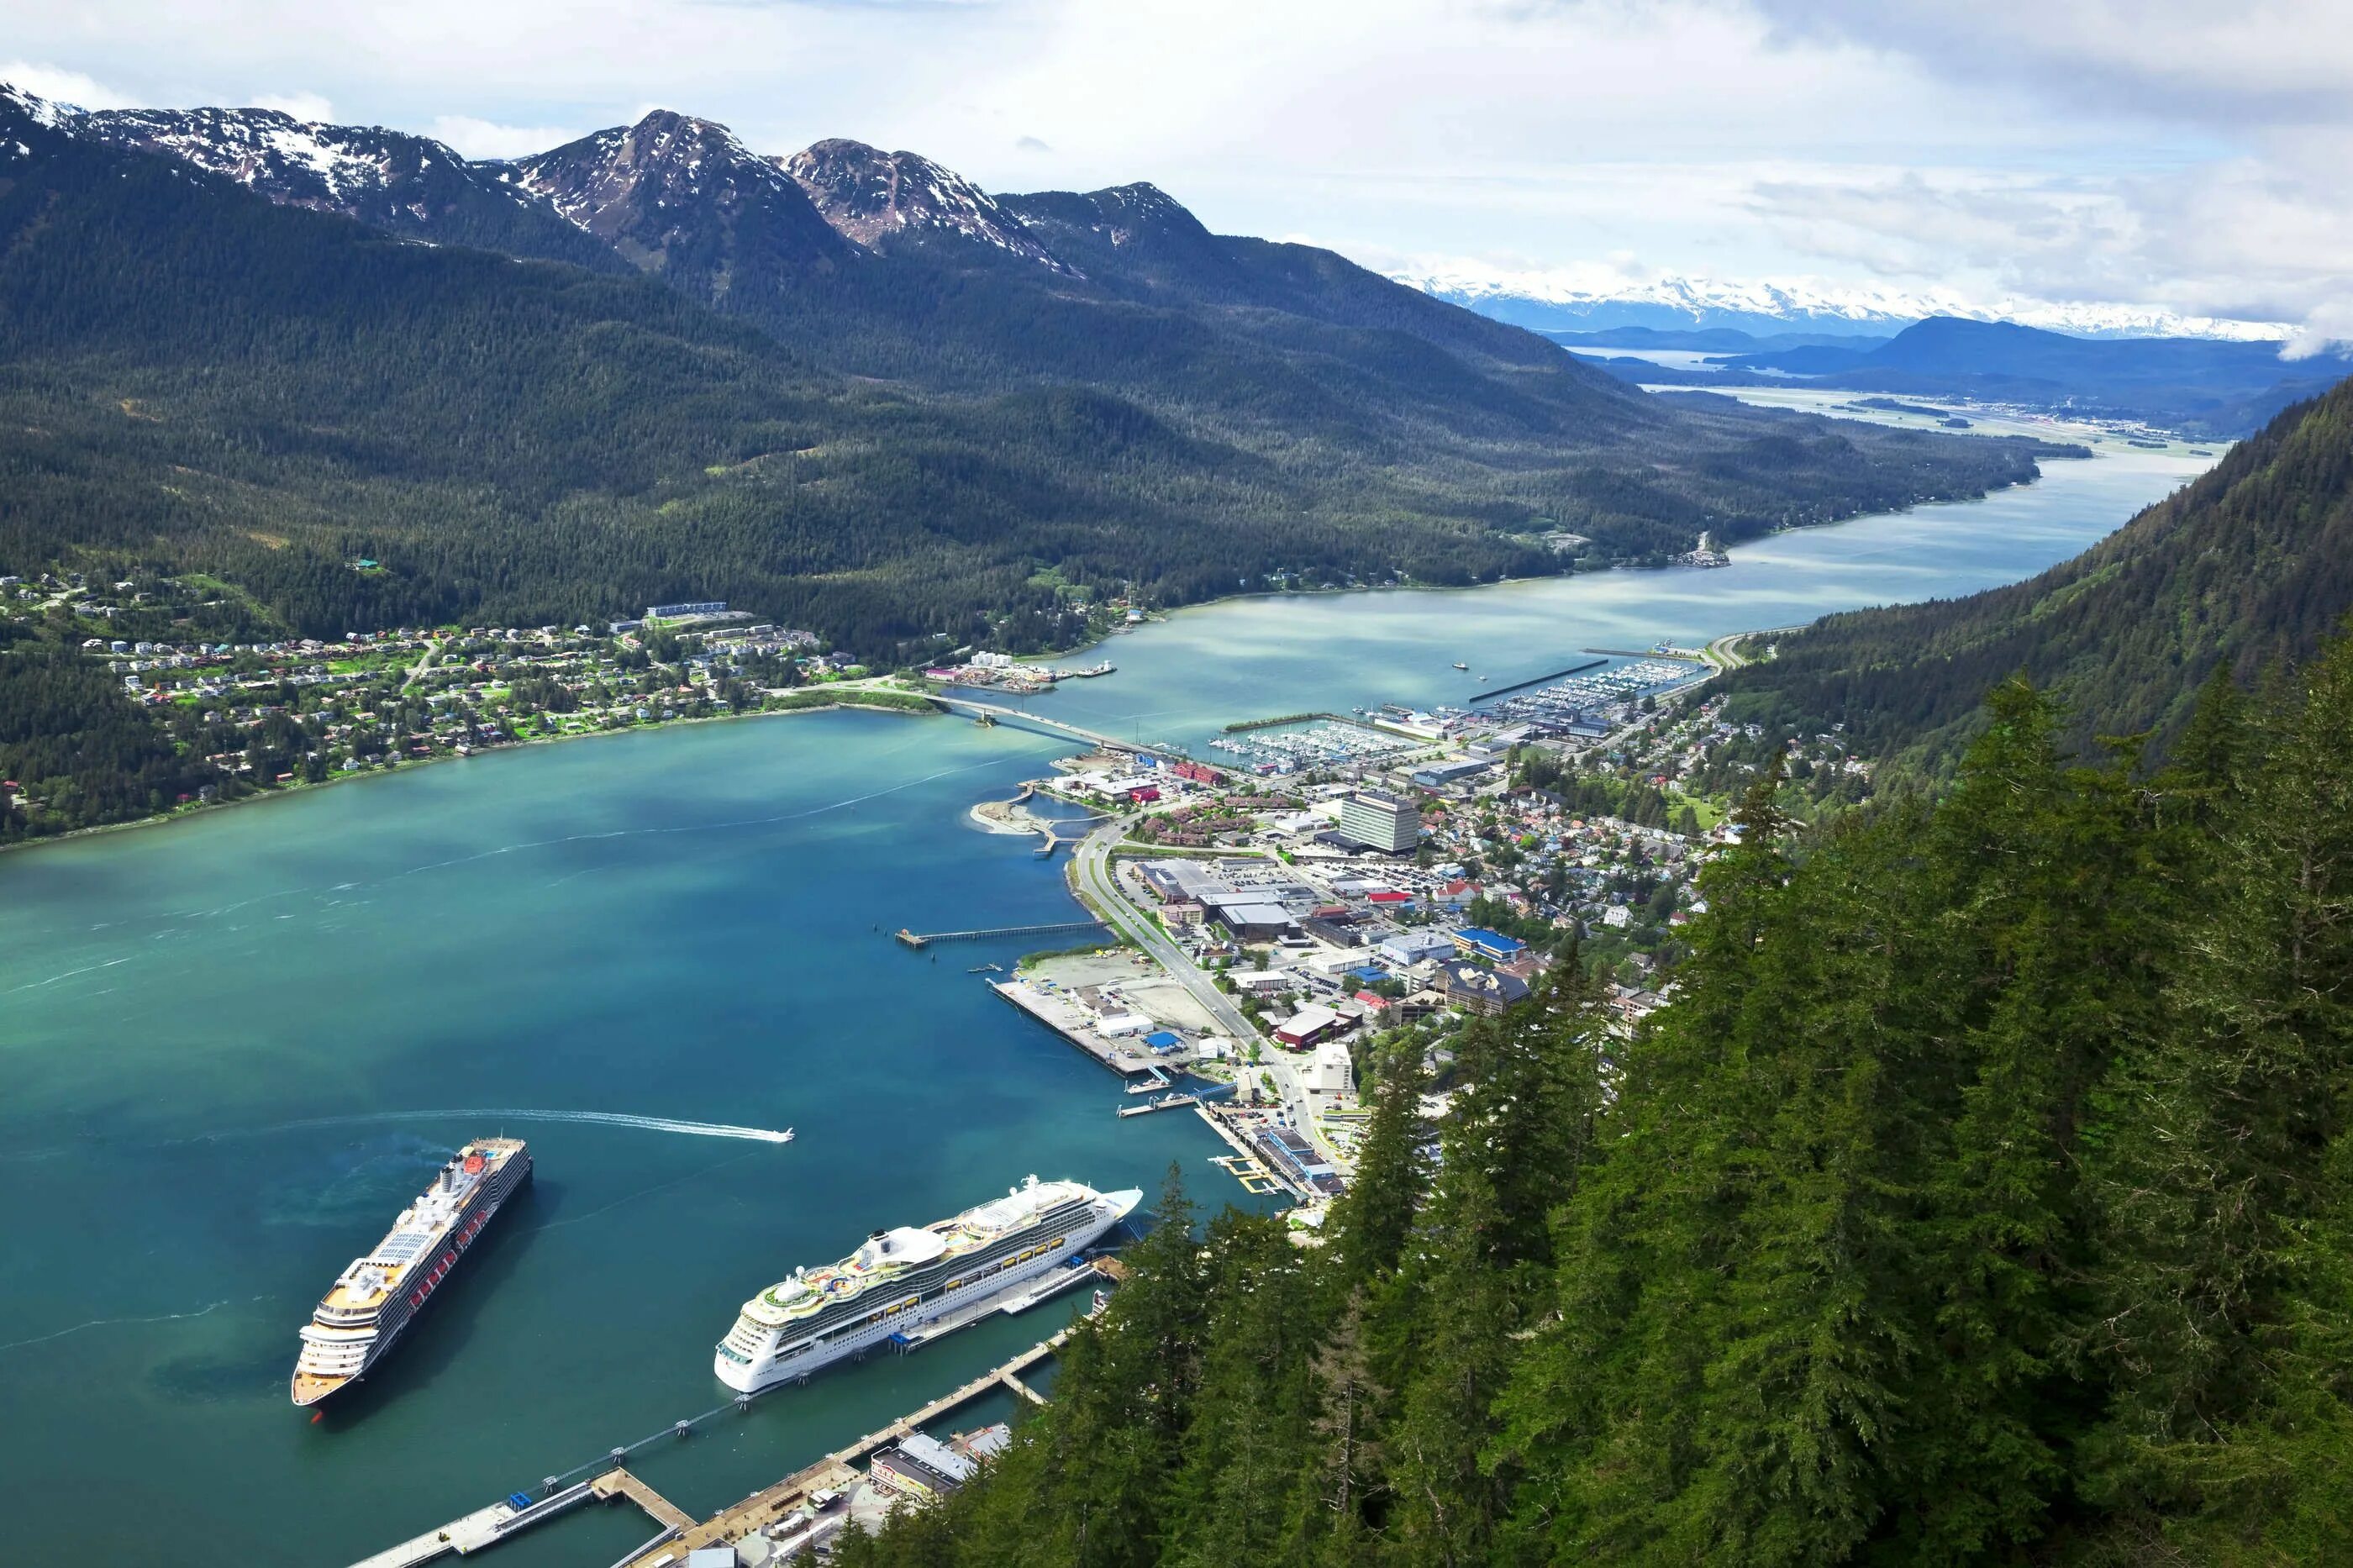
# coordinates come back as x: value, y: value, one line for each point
x: 1478, y: 941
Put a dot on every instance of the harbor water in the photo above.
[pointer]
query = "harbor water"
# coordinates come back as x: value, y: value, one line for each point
x: 232, y: 1048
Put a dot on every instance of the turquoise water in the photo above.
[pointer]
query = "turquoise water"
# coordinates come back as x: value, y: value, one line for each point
x: 222, y: 1045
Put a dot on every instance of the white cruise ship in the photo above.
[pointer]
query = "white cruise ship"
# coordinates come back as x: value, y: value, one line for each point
x: 374, y: 1299
x: 901, y: 1280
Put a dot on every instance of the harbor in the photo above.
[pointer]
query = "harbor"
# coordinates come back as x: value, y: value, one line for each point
x: 830, y: 1477
x: 523, y: 928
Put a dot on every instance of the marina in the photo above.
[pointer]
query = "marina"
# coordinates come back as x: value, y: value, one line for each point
x: 1275, y: 747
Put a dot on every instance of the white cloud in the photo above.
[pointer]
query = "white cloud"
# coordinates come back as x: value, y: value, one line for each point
x: 485, y: 139
x: 304, y: 106
x: 64, y: 86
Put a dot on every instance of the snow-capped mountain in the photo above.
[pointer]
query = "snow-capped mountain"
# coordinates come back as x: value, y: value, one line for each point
x: 1593, y: 299
x: 875, y: 197
x: 411, y: 185
x: 686, y: 199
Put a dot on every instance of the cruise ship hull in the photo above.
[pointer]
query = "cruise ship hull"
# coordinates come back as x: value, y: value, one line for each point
x: 362, y: 1349
x: 791, y: 1358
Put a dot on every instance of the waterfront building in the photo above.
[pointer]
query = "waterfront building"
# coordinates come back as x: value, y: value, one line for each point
x: 920, y: 1467
x: 1375, y: 821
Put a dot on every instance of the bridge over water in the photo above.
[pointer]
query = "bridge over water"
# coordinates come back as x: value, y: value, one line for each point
x: 1004, y: 714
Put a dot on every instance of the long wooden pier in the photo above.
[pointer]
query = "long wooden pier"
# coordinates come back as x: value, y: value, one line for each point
x: 925, y: 938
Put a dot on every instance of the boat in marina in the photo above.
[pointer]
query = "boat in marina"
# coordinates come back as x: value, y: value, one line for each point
x: 380, y: 1294
x: 899, y: 1280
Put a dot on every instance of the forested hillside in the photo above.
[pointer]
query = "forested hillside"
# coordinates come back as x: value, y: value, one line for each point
x: 1984, y: 1195
x: 196, y: 379
x: 2250, y: 567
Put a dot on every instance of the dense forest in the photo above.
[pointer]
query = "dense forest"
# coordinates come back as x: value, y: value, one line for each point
x: 1985, y: 1195
x: 2247, y: 568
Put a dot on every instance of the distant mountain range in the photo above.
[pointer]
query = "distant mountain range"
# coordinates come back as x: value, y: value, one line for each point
x: 2200, y: 387
x: 1564, y: 301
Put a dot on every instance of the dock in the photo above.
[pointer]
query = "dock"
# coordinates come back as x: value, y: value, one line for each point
x: 1494, y: 691
x: 1245, y: 1164
x: 489, y: 1526
x: 837, y: 1470
x: 925, y: 938
x: 620, y: 1483
x: 1117, y: 1056
x: 679, y: 1531
x: 1166, y: 1102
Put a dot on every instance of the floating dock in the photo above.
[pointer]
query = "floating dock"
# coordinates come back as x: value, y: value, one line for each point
x: 1166, y: 1102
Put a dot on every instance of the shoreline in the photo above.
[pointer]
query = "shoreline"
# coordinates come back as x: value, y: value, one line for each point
x: 291, y: 791
x: 168, y: 818
x: 1242, y: 595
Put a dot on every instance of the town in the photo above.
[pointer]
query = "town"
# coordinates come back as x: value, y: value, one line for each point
x: 1365, y: 885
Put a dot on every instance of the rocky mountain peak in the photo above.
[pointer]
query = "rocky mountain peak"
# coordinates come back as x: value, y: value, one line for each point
x: 873, y: 197
x: 685, y: 197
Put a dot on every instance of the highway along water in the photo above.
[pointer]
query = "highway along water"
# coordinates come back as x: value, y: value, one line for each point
x: 227, y: 1048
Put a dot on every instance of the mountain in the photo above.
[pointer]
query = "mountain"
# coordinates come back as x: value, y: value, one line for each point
x: 2250, y: 567
x: 876, y: 198
x: 683, y: 199
x: 405, y: 184
x: 1586, y: 301
x: 198, y: 378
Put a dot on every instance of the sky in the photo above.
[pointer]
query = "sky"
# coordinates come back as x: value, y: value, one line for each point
x: 2174, y: 156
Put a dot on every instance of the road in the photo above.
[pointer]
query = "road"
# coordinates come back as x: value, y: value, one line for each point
x: 424, y: 662
x: 1092, y: 872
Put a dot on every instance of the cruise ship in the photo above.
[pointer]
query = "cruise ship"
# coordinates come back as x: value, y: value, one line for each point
x: 899, y: 1279
x: 374, y: 1299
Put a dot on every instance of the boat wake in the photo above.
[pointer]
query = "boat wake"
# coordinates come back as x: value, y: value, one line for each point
x: 587, y: 1118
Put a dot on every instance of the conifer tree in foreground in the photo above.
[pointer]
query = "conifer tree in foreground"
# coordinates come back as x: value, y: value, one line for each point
x: 1985, y: 1195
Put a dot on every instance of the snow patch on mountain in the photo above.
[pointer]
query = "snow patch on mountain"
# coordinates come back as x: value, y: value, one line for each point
x: 868, y: 195
x: 363, y: 172
x: 1570, y: 297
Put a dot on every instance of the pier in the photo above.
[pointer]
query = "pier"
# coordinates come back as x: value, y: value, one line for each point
x: 1166, y: 1102
x: 1056, y: 1015
x: 680, y: 1533
x: 836, y: 1471
x: 925, y: 938
x: 1556, y: 674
